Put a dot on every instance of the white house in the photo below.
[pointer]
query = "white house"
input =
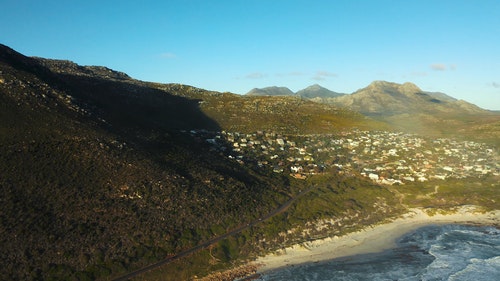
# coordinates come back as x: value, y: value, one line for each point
x: 373, y: 176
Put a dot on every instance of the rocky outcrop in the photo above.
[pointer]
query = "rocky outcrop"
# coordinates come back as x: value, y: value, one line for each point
x: 71, y: 68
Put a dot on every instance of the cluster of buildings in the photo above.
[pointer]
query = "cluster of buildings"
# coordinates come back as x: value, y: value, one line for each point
x: 395, y: 158
x: 384, y: 157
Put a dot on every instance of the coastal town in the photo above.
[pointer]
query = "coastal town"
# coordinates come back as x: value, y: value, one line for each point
x: 386, y: 158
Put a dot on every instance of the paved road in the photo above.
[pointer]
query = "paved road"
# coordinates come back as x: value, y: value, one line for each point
x: 212, y: 241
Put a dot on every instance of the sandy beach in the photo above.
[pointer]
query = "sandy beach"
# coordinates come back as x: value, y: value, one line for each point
x: 372, y: 239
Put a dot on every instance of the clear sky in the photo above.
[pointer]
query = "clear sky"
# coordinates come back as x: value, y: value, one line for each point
x: 450, y: 46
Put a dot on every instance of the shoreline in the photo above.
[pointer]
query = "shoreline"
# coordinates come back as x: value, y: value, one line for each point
x: 373, y: 238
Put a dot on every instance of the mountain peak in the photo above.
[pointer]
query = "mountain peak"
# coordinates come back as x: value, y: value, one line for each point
x: 388, y: 98
x: 315, y: 86
x: 14, y: 58
x: 406, y: 87
x: 409, y: 87
x: 392, y: 88
x: 271, y: 91
x: 317, y: 91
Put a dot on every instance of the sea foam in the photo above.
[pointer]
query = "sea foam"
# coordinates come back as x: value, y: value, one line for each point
x: 444, y: 252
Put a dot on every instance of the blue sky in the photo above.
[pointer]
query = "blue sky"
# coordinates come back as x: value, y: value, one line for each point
x: 236, y: 45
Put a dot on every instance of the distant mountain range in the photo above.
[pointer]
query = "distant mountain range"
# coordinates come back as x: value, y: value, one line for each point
x: 312, y: 92
x: 379, y: 98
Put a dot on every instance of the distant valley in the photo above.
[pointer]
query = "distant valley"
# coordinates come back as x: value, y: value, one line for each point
x: 405, y: 107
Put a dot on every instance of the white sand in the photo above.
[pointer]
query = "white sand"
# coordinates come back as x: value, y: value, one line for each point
x: 372, y: 239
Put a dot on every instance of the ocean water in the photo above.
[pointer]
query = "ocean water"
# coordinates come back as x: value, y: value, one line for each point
x: 445, y: 252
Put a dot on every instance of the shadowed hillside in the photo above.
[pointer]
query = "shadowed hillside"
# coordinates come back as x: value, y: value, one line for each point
x: 97, y: 178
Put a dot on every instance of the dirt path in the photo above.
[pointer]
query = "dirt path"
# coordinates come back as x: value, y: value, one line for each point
x: 212, y: 241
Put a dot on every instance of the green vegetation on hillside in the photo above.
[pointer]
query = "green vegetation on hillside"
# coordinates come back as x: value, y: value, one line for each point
x: 452, y: 192
x: 93, y: 186
x: 101, y: 174
x: 284, y: 114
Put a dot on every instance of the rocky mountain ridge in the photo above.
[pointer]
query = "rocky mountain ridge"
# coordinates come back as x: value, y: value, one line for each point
x: 69, y: 67
x: 386, y: 98
x: 380, y: 98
